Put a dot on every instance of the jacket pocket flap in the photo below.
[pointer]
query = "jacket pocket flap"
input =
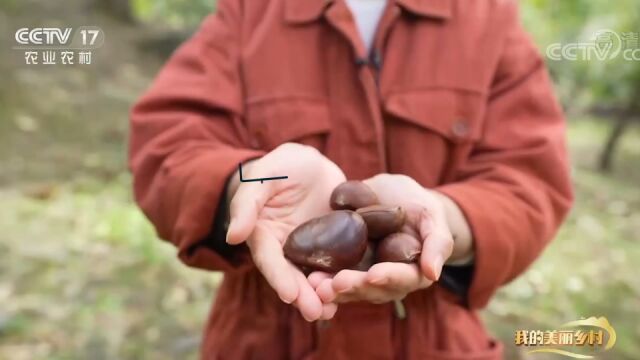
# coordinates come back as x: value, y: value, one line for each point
x: 454, y: 114
x: 274, y: 122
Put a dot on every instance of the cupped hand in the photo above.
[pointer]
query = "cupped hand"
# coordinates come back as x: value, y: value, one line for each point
x: 384, y: 282
x: 263, y: 215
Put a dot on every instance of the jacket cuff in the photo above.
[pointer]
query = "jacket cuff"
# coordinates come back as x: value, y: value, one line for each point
x: 493, y: 253
x: 210, y: 251
x: 457, y: 280
x: 236, y: 255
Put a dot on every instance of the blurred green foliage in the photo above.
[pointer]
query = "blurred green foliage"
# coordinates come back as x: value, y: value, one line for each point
x: 175, y: 13
x: 582, y: 83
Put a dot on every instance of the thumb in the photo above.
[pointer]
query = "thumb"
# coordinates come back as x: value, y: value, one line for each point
x: 244, y: 209
x: 437, y: 243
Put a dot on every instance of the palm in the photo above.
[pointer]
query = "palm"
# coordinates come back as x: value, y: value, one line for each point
x: 265, y: 214
x: 290, y: 206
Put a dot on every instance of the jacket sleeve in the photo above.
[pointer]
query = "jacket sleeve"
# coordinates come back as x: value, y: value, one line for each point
x: 514, y: 188
x: 187, y: 138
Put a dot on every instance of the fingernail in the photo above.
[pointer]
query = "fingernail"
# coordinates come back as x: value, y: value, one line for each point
x: 287, y: 301
x: 379, y: 281
x: 228, y: 232
x: 437, y: 266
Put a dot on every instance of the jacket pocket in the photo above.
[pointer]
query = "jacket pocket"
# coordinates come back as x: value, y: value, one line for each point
x: 276, y: 121
x: 451, y: 113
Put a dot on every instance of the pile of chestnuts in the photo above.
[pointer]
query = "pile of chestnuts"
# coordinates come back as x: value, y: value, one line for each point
x: 357, y: 234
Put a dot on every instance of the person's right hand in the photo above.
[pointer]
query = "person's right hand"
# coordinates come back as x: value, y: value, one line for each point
x: 264, y: 214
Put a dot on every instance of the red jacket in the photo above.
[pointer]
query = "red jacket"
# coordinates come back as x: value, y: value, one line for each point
x: 455, y: 95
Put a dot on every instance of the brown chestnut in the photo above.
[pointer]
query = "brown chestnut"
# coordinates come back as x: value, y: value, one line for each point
x: 352, y: 195
x: 398, y: 247
x: 329, y: 243
x: 368, y: 259
x: 382, y: 220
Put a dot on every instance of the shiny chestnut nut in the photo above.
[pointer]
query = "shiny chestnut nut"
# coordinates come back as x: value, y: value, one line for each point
x: 352, y: 195
x: 398, y: 247
x: 368, y: 259
x: 329, y: 243
x: 382, y: 220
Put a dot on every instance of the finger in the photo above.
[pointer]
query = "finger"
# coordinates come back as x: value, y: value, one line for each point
x: 368, y: 293
x: 245, y: 206
x: 267, y: 255
x: 348, y: 280
x: 316, y: 277
x: 382, y: 283
x: 351, y: 285
x: 437, y: 243
x: 308, y: 301
x: 397, y: 277
x: 329, y: 311
x: 325, y: 291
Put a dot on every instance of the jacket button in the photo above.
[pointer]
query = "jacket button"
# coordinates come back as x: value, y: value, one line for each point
x: 460, y: 128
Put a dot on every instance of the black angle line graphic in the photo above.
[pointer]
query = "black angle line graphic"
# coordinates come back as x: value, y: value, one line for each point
x: 262, y: 180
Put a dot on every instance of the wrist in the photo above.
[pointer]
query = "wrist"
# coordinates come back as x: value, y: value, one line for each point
x: 463, y: 251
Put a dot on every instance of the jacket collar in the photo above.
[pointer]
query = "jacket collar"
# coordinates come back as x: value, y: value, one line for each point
x: 303, y: 11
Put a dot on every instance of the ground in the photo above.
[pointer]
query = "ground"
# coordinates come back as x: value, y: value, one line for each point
x: 82, y: 274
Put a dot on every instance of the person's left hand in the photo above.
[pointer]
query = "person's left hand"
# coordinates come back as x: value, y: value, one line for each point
x: 384, y: 282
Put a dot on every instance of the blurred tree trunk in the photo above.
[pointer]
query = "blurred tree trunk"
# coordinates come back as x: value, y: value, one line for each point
x: 623, y: 119
x: 606, y: 157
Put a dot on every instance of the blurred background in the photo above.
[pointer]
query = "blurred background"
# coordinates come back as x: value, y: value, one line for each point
x: 82, y: 275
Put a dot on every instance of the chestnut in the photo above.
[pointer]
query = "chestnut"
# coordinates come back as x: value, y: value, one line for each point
x: 329, y: 243
x: 368, y: 259
x: 382, y: 220
x: 398, y: 247
x: 352, y: 195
